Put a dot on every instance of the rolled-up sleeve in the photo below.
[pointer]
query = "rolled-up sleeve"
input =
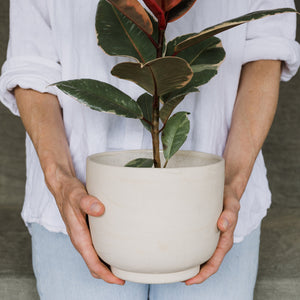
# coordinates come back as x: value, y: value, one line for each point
x: 273, y: 37
x: 32, y: 59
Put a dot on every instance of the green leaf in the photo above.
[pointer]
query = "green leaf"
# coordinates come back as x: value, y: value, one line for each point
x: 209, y: 52
x: 204, y: 58
x: 173, y: 43
x: 211, y: 31
x: 175, y: 133
x: 140, y: 163
x: 201, y: 68
x: 145, y: 102
x: 117, y: 35
x: 101, y: 96
x: 198, y: 79
x: 134, y: 11
x: 161, y: 75
x: 181, y: 92
x: 169, y: 107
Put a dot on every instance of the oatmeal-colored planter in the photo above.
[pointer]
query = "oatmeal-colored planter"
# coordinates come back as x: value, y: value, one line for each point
x: 159, y: 225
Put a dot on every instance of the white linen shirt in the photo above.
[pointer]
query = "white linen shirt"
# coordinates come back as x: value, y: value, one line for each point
x: 56, y: 40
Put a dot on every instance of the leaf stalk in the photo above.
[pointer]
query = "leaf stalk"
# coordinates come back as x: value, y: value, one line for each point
x: 147, y: 121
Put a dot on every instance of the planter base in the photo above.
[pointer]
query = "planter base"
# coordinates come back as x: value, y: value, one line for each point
x: 156, y: 278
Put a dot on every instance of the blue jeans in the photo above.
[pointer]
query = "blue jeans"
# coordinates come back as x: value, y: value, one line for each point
x: 62, y: 274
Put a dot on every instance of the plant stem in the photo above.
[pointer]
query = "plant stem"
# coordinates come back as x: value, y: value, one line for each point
x: 155, y: 132
x: 160, y: 43
x: 155, y: 110
x: 165, y: 165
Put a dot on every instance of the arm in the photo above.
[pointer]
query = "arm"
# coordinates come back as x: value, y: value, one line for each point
x: 253, y: 114
x: 42, y: 119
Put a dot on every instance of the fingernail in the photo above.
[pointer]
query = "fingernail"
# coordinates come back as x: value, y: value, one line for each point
x: 95, y: 208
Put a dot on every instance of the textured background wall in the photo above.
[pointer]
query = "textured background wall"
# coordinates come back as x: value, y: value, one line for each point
x: 12, y: 164
x: 279, y: 272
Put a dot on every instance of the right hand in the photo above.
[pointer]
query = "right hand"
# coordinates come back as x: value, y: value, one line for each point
x: 42, y: 118
x: 74, y: 204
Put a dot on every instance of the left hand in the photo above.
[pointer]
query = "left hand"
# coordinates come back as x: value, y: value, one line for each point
x: 226, y: 224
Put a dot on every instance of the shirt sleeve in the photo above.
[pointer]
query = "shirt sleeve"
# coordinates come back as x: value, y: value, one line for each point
x: 273, y: 37
x: 32, y: 60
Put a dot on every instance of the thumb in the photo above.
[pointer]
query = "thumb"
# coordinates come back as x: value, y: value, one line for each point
x: 223, y: 223
x: 92, y: 206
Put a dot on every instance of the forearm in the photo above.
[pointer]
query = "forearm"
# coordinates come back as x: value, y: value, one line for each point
x: 253, y: 114
x: 42, y: 118
x: 252, y: 117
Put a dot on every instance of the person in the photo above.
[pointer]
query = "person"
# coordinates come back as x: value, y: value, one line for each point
x: 230, y: 116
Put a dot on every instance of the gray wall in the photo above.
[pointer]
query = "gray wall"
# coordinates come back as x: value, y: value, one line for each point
x: 12, y: 158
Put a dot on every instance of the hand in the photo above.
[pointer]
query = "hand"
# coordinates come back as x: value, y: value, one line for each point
x: 74, y: 203
x: 226, y: 224
x: 42, y: 118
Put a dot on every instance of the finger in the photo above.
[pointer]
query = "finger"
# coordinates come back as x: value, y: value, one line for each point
x: 213, y: 264
x: 227, y: 220
x: 83, y: 244
x: 229, y: 216
x: 223, y: 223
x: 81, y: 239
x: 91, y: 206
x: 98, y: 269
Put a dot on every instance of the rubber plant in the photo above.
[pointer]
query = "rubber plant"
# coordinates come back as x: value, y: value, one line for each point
x: 167, y: 71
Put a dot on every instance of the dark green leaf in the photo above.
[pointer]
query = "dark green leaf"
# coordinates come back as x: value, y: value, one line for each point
x: 173, y: 43
x: 175, y: 134
x: 198, y: 79
x: 140, y: 163
x: 168, y: 108
x: 101, y: 96
x: 161, y: 75
x: 204, y: 57
x: 182, y: 92
x: 117, y: 35
x: 204, y: 67
x: 145, y: 102
x: 209, y: 51
x: 211, y: 31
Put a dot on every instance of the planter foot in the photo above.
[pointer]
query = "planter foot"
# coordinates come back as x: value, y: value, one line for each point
x: 152, y: 278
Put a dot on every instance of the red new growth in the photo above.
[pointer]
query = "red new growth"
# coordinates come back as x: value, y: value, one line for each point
x: 167, y: 5
x: 159, y: 8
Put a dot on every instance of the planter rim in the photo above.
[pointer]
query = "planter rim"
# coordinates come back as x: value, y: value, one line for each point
x: 93, y: 159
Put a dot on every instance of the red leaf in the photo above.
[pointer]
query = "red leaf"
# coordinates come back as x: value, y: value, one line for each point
x: 178, y: 11
x: 172, y: 9
x: 158, y: 12
x: 166, y: 5
x: 162, y: 5
x: 134, y: 11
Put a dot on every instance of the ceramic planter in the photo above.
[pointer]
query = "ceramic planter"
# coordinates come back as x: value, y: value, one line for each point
x: 159, y: 225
